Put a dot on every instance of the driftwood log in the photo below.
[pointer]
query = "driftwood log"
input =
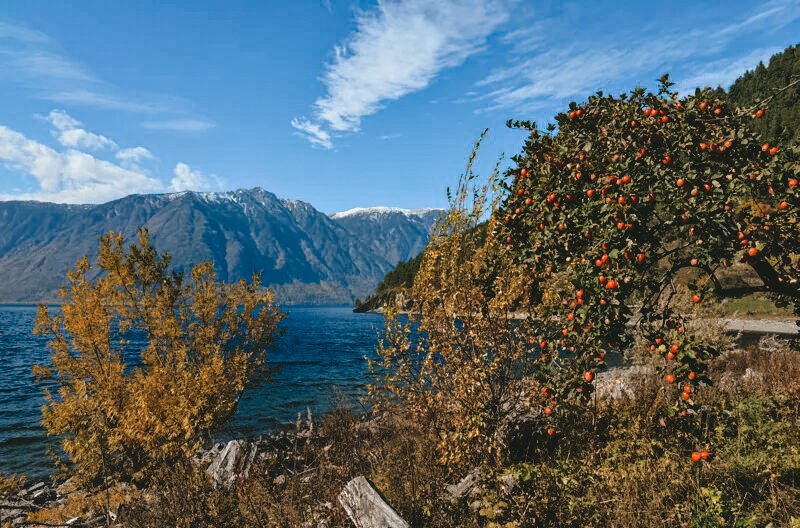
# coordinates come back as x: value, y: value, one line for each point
x: 366, y: 506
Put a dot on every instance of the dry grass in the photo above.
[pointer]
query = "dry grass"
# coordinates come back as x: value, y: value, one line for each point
x: 754, y: 307
x: 86, y: 505
x: 623, y: 463
x: 11, y: 484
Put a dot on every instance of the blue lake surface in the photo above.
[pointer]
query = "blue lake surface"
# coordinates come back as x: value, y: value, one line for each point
x: 319, y: 364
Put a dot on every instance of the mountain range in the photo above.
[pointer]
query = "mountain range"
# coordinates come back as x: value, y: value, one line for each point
x: 307, y: 257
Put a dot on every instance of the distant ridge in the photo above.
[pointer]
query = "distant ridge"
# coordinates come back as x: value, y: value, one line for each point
x: 382, y: 210
x: 306, y: 256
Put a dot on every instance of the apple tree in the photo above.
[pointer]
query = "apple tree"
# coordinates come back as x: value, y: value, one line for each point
x: 606, y: 210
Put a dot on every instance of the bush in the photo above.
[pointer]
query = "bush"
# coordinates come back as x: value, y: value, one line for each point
x: 148, y: 363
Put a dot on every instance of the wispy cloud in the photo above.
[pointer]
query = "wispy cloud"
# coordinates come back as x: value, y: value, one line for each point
x: 724, y: 72
x: 179, y: 125
x: 312, y: 132
x: 388, y: 137
x: 90, y: 98
x: 35, y: 60
x: 21, y: 33
x: 32, y: 59
x: 775, y: 13
x: 68, y: 177
x: 538, y: 76
x: 563, y: 73
x: 398, y: 47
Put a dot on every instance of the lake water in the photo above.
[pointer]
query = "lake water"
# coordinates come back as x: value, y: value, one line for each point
x: 319, y: 363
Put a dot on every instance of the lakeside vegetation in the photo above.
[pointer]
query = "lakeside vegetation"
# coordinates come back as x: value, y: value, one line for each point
x: 700, y: 434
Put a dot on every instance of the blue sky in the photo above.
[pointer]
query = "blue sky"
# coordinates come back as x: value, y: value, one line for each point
x: 339, y: 104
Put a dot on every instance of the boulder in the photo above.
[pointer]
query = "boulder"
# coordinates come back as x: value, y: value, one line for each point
x: 619, y: 383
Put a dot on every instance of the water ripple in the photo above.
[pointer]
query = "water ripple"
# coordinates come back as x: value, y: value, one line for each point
x: 317, y: 362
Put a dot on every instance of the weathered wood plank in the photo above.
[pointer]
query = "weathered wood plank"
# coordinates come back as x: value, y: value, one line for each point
x: 366, y: 506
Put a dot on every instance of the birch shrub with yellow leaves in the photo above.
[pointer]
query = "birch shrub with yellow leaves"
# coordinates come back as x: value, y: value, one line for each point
x: 459, y: 367
x: 124, y: 409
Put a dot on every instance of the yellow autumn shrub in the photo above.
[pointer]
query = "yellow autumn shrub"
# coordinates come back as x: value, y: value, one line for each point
x: 147, y: 361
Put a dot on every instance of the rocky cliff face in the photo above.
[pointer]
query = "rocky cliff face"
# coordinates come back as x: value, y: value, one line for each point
x: 305, y: 255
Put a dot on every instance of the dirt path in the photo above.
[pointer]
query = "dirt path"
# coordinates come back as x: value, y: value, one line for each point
x: 762, y: 326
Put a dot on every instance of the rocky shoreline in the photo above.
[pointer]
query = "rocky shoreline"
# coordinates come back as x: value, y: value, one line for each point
x: 224, y: 463
x: 274, y: 457
x: 227, y: 465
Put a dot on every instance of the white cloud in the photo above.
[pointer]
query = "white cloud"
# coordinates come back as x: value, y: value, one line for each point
x: 312, y: 132
x: 398, y: 47
x: 187, y: 179
x: 61, y: 120
x: 134, y: 155
x: 69, y: 133
x: 40, y: 161
x: 81, y: 139
x: 69, y: 177
x: 180, y: 125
